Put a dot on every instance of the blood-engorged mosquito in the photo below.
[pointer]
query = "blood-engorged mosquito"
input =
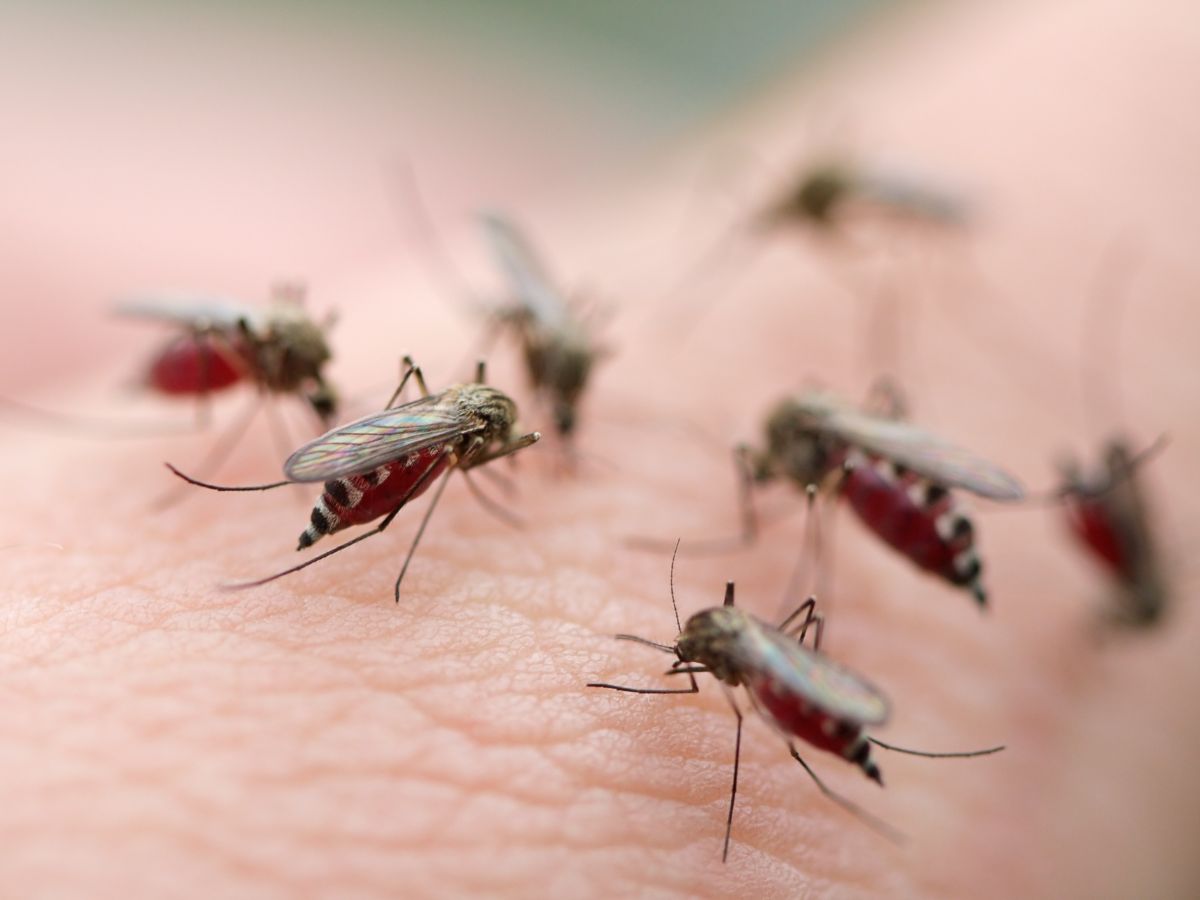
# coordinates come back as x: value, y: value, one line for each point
x: 278, y: 348
x: 374, y: 466
x: 800, y: 692
x: 1106, y: 512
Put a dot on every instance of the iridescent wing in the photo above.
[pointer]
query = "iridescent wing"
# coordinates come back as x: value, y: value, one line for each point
x: 377, y: 439
x: 815, y: 678
x: 917, y: 450
x: 191, y: 312
x: 526, y: 275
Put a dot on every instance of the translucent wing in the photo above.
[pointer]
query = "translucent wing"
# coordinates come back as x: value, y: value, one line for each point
x: 191, y: 312
x: 817, y: 679
x: 915, y: 449
x: 525, y: 272
x: 377, y: 439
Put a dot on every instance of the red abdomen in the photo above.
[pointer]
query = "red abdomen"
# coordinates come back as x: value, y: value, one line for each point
x: 1090, y: 521
x: 359, y: 499
x: 920, y: 520
x: 796, y: 716
x: 195, y: 364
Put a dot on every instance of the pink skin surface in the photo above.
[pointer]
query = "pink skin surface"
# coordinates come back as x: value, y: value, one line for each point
x: 166, y: 738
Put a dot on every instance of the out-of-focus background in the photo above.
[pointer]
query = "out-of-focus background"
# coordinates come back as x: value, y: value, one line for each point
x: 178, y: 135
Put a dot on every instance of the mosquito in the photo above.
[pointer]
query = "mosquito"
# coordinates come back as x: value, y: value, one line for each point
x: 222, y: 343
x: 827, y: 193
x: 374, y: 466
x: 557, y: 341
x: 1107, y: 514
x: 800, y: 692
x: 897, y: 478
x: 557, y: 337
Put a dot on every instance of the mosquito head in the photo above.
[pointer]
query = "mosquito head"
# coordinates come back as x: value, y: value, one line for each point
x: 711, y: 637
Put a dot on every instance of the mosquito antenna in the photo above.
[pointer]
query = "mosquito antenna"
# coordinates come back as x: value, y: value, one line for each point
x: 872, y: 822
x: 674, y: 605
x: 225, y: 487
x: 963, y: 755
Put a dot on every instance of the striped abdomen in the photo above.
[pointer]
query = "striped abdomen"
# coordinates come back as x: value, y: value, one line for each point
x: 921, y: 520
x: 798, y: 717
x: 358, y: 499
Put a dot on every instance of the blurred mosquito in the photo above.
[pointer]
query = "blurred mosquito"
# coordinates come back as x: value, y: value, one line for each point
x: 278, y: 348
x: 800, y: 692
x: 1105, y: 508
x: 896, y: 477
x: 831, y: 199
x: 374, y: 466
x: 556, y: 334
x: 1107, y: 514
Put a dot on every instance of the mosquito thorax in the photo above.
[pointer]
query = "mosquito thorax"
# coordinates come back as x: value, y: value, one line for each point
x: 710, y: 638
x: 292, y: 349
x: 795, y: 448
x: 494, y: 407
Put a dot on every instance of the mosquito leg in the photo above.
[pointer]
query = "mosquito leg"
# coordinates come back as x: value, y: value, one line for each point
x: 745, y: 470
x: 496, y: 509
x: 853, y: 808
x: 417, y: 486
x: 217, y: 455
x: 806, y: 609
x: 693, y: 688
x: 411, y: 370
x: 441, y: 489
x: 962, y: 755
x: 320, y: 556
x: 737, y: 759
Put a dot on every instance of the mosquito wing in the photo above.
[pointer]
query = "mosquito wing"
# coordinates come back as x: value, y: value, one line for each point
x: 191, y: 312
x: 379, y: 438
x: 820, y: 681
x: 525, y: 272
x: 917, y: 450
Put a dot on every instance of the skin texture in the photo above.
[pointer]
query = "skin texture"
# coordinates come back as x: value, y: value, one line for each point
x: 311, y: 737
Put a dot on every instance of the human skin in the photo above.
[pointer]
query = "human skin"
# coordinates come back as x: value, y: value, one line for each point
x: 168, y: 738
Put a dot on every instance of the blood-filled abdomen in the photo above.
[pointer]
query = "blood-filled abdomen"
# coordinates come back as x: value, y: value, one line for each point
x: 358, y: 499
x: 921, y: 520
x: 196, y: 364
